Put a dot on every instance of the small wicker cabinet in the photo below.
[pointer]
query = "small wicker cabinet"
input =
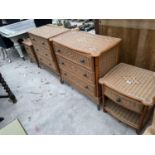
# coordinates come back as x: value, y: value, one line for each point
x: 41, y: 38
x: 132, y: 91
x: 30, y: 50
x: 83, y: 58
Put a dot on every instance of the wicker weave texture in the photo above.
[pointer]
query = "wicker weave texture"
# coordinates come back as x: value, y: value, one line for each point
x: 30, y: 50
x: 132, y: 81
x: 108, y: 60
x: 39, y: 42
x: 122, y: 100
x: 123, y: 114
x: 93, y: 45
x: 82, y: 59
x: 48, y: 63
x: 88, y: 89
x: 79, y: 71
x: 48, y: 31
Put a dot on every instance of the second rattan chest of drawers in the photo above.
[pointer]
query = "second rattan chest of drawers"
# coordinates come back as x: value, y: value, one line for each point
x: 83, y: 58
x: 133, y: 91
x: 41, y: 39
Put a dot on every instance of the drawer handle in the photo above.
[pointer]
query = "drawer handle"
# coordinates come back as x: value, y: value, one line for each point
x: 33, y: 39
x: 46, y: 54
x: 86, y: 87
x: 58, y: 50
x: 82, y: 61
x: 62, y: 63
x: 65, y: 74
x: 43, y: 43
x: 118, y: 100
x: 85, y: 75
x: 37, y: 49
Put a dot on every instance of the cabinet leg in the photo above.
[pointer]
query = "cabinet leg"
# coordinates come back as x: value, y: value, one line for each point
x: 103, y: 102
x: 1, y: 119
x: 104, y: 110
x: 61, y: 81
x: 138, y: 131
x: 98, y: 107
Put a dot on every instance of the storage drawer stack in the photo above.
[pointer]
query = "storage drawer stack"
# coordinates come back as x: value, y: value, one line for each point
x: 133, y: 91
x: 83, y: 58
x: 30, y: 50
x: 41, y: 38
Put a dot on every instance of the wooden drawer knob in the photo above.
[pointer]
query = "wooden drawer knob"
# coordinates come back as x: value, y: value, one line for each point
x: 58, y: 50
x: 62, y: 63
x: 33, y: 39
x: 86, y: 87
x: 37, y: 49
x: 118, y: 100
x: 65, y: 74
x: 46, y: 54
x: 43, y: 43
x: 85, y: 75
x: 82, y: 61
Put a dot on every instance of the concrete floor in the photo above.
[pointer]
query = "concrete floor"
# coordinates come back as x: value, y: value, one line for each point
x: 47, y: 107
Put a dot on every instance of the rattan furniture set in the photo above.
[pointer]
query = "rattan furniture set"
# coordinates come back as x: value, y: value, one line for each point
x: 90, y: 63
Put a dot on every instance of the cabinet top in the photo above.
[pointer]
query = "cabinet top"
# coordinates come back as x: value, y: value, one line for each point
x: 87, y: 43
x: 48, y: 31
x: 27, y: 42
x: 131, y: 81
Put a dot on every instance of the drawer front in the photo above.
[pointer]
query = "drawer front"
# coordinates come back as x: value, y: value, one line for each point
x: 39, y: 42
x: 79, y: 84
x: 74, y: 56
x: 76, y: 69
x: 43, y: 52
x: 48, y: 63
x: 122, y: 100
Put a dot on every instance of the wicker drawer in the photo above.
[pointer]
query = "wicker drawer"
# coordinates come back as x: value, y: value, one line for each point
x: 79, y: 84
x: 77, y: 57
x: 79, y: 71
x: 43, y: 52
x: 122, y: 100
x: 39, y: 42
x: 48, y: 63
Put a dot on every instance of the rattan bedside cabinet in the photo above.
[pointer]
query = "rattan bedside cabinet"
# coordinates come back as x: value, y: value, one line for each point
x: 41, y: 39
x: 83, y: 58
x: 133, y: 91
x: 30, y: 50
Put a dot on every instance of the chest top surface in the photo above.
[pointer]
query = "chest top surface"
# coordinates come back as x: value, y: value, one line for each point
x: 48, y: 31
x: 132, y: 81
x: 27, y: 42
x: 87, y: 43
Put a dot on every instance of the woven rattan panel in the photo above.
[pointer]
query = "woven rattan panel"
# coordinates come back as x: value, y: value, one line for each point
x: 107, y: 61
x: 84, y: 42
x: 132, y: 81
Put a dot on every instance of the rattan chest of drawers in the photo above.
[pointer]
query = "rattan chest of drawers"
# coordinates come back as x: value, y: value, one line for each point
x: 83, y: 58
x: 41, y: 39
x: 133, y: 91
x: 30, y: 50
